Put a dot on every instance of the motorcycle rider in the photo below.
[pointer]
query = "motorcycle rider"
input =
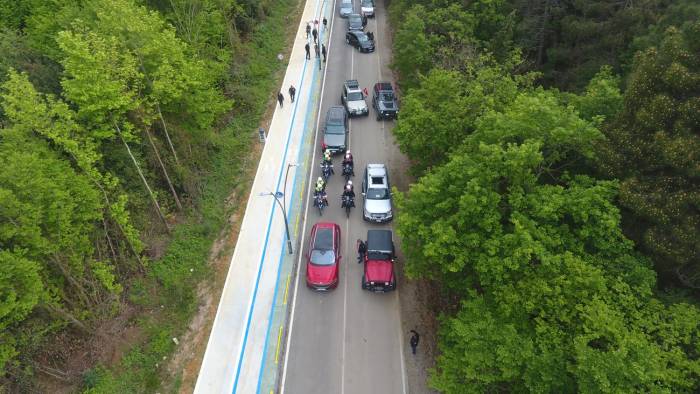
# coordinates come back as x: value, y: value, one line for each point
x: 349, y: 192
x: 327, y: 160
x: 320, y: 186
x: 347, y: 159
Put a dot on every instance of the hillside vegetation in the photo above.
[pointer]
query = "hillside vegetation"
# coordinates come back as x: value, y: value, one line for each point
x: 556, y: 147
x: 124, y: 127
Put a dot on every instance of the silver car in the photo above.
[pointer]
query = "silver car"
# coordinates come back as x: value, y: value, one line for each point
x: 376, y: 193
x: 345, y: 8
x: 367, y: 8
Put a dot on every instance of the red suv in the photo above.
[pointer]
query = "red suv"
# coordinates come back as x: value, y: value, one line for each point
x: 379, y: 262
x: 323, y: 257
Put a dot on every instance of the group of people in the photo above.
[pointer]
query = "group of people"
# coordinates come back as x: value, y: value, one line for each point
x: 348, y: 190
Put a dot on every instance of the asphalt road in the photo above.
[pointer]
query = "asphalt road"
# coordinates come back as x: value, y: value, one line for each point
x: 349, y: 340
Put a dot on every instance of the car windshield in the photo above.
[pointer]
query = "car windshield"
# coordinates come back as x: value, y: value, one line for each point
x: 367, y: 3
x: 335, y: 129
x: 362, y: 38
x: 322, y: 257
x: 322, y: 253
x: 387, y: 97
x: 355, y: 20
x: 375, y: 255
x: 355, y: 96
x: 377, y: 194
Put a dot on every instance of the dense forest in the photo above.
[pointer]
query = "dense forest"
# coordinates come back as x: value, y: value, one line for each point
x: 556, y: 149
x: 124, y: 127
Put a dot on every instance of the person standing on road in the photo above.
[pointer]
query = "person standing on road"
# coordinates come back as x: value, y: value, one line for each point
x: 308, y: 48
x: 361, y: 250
x: 316, y: 50
x: 280, y: 98
x: 292, y: 92
x: 415, y: 338
x: 308, y: 30
x: 315, y: 34
x: 323, y: 51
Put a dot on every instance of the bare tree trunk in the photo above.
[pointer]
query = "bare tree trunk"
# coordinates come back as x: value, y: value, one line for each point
x: 167, y: 135
x: 541, y: 33
x: 165, y: 172
x: 79, y: 289
x: 68, y: 316
x: 109, y: 203
x: 143, y: 179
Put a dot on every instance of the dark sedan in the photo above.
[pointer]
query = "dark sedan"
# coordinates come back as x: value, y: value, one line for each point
x: 360, y: 41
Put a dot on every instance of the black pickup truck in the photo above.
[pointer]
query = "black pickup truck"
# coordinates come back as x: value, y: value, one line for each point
x: 384, y: 101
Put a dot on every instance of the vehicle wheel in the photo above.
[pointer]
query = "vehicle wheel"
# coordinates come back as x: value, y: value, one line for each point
x: 347, y: 41
x: 364, y: 282
x: 379, y: 117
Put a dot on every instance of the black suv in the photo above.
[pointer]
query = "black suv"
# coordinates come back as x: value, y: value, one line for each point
x: 335, y: 131
x: 360, y: 41
x: 356, y: 22
x: 384, y: 101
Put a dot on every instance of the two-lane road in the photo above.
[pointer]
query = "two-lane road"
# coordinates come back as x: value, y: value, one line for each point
x: 348, y: 340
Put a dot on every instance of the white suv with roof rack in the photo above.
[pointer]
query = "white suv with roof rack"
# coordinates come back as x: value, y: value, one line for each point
x: 353, y: 98
x: 376, y: 193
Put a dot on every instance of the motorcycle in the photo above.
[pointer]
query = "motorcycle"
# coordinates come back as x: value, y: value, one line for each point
x: 347, y: 171
x: 347, y: 202
x: 320, y: 202
x: 326, y: 171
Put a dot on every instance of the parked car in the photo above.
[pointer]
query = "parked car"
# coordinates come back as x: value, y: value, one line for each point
x: 335, y: 130
x: 360, y: 41
x: 379, y: 260
x: 323, y: 257
x: 376, y: 193
x: 353, y: 98
x: 384, y: 101
x: 345, y: 8
x: 367, y: 8
x: 356, y: 22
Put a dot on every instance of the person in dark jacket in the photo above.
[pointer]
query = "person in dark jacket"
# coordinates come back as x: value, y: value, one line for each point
x: 323, y: 51
x: 292, y: 92
x: 308, y: 30
x: 415, y: 338
x: 308, y: 49
x: 361, y: 250
x: 315, y: 34
x: 280, y: 98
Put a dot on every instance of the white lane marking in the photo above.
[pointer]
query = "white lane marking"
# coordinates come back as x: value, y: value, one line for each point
x: 306, y: 213
x: 347, y: 231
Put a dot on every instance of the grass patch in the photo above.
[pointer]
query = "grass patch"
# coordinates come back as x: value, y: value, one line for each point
x: 168, y: 292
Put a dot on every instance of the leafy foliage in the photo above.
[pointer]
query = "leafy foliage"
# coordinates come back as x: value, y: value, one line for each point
x: 537, y: 254
x: 655, y: 149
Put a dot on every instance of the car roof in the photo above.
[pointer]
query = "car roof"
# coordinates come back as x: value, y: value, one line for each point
x: 380, y: 241
x: 376, y: 169
x: 336, y: 113
x: 379, y: 86
x: 323, y: 238
x: 352, y: 84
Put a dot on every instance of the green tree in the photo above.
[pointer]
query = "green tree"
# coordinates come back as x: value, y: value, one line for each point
x: 654, y: 148
x: 412, y: 51
x: 21, y: 289
x: 442, y: 111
